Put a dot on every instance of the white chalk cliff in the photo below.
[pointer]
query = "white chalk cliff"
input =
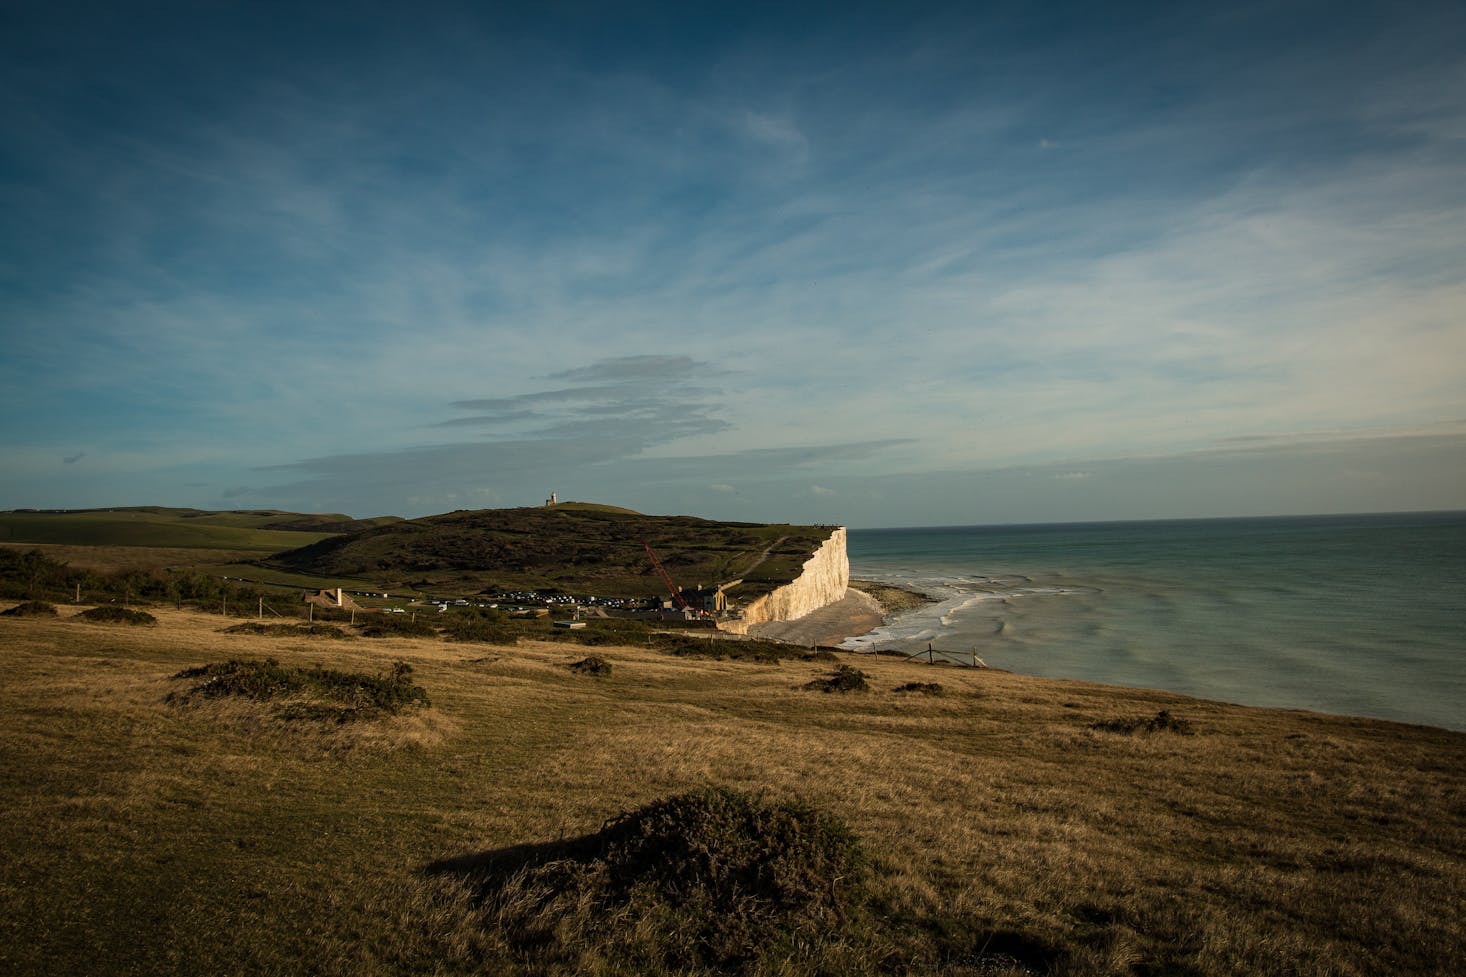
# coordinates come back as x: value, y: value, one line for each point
x: 824, y: 580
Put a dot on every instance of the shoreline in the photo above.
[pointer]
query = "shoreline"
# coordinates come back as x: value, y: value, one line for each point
x: 1347, y: 616
x: 836, y: 623
x: 893, y: 598
x: 867, y: 605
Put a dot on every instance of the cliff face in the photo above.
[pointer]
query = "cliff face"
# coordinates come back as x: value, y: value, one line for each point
x: 824, y: 579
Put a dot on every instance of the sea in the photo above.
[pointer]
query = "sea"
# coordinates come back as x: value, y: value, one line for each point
x: 1359, y: 615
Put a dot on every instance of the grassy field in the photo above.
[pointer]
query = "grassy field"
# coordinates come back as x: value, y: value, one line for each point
x: 152, y: 527
x: 284, y: 578
x: 108, y: 559
x: 1010, y: 827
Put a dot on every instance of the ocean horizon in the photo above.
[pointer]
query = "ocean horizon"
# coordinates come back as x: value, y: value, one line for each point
x: 1346, y: 614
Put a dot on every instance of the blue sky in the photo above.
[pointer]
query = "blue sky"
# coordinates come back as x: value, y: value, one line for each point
x: 861, y: 264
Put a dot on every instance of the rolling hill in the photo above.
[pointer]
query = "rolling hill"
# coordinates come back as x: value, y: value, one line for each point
x: 575, y: 547
x: 259, y: 530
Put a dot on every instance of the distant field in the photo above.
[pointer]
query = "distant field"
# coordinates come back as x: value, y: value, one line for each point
x: 175, y: 529
x: 110, y: 558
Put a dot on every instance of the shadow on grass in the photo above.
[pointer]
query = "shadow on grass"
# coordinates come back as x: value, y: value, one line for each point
x: 718, y: 882
x: 488, y: 871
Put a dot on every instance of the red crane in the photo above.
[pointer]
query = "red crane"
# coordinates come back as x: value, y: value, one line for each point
x: 677, y: 597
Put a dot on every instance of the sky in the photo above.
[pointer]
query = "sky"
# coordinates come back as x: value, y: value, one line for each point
x: 859, y: 264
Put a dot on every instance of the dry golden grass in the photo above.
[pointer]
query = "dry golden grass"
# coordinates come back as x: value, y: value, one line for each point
x: 141, y: 837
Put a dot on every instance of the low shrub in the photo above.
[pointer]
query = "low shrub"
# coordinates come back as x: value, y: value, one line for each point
x: 395, y: 626
x: 494, y: 631
x: 1161, y: 722
x: 693, y: 644
x: 593, y: 637
x: 843, y: 679
x: 921, y: 688
x: 288, y: 630
x: 321, y: 692
x: 31, y: 608
x: 715, y: 880
x: 113, y: 614
x: 594, y: 665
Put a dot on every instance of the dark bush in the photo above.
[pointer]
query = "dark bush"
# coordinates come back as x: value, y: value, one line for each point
x: 327, y: 693
x: 1161, y: 722
x: 244, y: 677
x: 921, y: 688
x: 745, y: 870
x: 594, y: 637
x: 593, y: 665
x: 711, y: 881
x: 843, y: 679
x: 489, y: 630
x: 288, y: 630
x: 112, y: 614
x: 693, y: 644
x: 31, y: 573
x: 397, y: 626
x: 31, y: 608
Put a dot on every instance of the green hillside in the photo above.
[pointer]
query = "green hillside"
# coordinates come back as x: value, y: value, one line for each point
x: 261, y: 530
x: 576, y: 547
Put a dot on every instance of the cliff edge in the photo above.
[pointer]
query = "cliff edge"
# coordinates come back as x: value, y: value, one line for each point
x: 823, y: 580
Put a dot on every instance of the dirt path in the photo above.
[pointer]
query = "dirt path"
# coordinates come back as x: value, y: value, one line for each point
x: 761, y: 557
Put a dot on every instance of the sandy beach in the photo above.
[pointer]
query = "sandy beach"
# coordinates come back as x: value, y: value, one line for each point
x: 856, y: 613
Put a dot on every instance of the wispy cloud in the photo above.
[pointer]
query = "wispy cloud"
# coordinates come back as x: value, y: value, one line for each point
x: 659, y: 398
x: 907, y: 245
x: 776, y: 131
